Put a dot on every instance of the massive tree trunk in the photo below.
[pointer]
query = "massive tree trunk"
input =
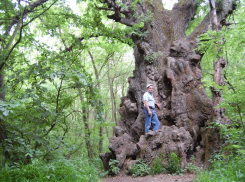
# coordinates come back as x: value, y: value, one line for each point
x: 165, y: 58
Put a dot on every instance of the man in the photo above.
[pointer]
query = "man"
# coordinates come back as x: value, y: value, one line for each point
x: 149, y: 106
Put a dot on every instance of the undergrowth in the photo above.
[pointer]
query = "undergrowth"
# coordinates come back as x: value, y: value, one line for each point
x: 114, y: 169
x: 174, y: 164
x: 230, y: 169
x: 157, y: 166
x: 191, y: 167
x: 59, y: 170
x: 140, y: 169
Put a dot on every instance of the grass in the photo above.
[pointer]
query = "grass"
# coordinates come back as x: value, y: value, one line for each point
x: 60, y: 170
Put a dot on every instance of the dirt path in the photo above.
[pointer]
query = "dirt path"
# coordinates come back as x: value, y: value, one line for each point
x: 156, y: 178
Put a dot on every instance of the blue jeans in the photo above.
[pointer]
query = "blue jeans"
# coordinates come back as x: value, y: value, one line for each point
x: 151, y: 119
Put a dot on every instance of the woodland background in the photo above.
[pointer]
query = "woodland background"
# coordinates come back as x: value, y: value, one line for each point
x: 62, y: 77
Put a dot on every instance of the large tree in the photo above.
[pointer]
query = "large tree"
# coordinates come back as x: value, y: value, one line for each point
x: 164, y: 56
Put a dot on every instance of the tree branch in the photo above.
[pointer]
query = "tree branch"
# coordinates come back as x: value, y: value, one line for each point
x: 14, y: 34
x: 182, y: 14
x: 20, y: 36
x: 26, y: 11
x: 118, y: 10
x: 225, y: 9
x: 62, y: 139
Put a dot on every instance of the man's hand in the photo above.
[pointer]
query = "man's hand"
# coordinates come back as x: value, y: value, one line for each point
x: 158, y: 105
x: 148, y: 108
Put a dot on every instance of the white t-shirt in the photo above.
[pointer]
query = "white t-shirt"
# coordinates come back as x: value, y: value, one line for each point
x: 149, y: 98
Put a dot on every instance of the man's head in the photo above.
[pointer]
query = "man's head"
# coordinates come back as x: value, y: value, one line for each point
x: 149, y: 88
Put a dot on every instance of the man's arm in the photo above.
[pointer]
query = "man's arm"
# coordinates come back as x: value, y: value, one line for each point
x: 148, y: 108
x: 158, y: 105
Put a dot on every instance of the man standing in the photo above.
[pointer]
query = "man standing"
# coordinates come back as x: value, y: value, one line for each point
x: 149, y: 106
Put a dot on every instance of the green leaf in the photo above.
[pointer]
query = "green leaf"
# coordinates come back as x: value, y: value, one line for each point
x: 5, y: 113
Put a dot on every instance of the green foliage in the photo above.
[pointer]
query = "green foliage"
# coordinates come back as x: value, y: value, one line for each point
x: 44, y: 114
x: 144, y: 18
x: 235, y: 138
x: 151, y: 57
x: 229, y: 45
x: 174, y: 163
x: 140, y: 169
x: 59, y: 170
x: 210, y: 44
x: 201, y: 12
x: 43, y: 106
x: 157, y: 166
x: 224, y: 169
x: 191, y: 167
x: 114, y: 169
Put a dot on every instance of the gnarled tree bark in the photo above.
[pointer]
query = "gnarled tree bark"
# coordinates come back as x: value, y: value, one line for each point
x: 165, y: 58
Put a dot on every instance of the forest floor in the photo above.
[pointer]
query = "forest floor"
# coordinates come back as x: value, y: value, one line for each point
x: 187, y: 177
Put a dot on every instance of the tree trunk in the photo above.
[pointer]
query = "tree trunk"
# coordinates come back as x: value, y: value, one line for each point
x: 112, y: 97
x: 2, y: 97
x: 99, y: 87
x: 107, y: 128
x: 218, y: 115
x: 86, y: 125
x: 166, y: 59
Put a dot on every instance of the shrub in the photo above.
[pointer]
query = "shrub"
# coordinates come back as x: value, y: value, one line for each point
x: 140, y: 169
x: 174, y: 163
x: 157, y: 166
x: 114, y: 169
